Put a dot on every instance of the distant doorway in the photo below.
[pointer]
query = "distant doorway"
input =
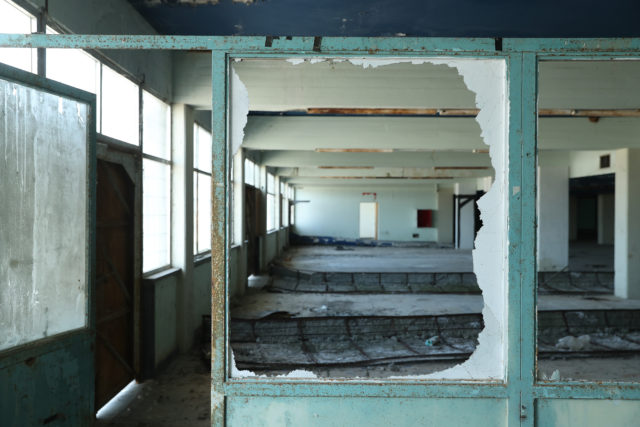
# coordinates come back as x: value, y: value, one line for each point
x: 369, y: 220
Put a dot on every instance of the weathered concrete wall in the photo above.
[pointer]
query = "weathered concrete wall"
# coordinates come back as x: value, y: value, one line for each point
x: 334, y: 211
x: 154, y: 67
x: 165, y: 318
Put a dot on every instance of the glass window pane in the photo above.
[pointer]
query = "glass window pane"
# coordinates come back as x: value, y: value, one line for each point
x: 156, y: 126
x: 120, y: 115
x: 156, y: 221
x: 75, y: 68
x: 285, y: 211
x: 43, y: 215
x: 204, y: 212
x: 271, y: 212
x: 270, y: 184
x: 14, y: 20
x: 248, y: 172
x: 83, y: 74
x: 202, y: 150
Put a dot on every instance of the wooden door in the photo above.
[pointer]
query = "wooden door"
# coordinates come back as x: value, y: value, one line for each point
x: 115, y: 281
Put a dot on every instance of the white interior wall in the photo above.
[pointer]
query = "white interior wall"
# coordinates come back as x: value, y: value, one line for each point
x: 606, y: 218
x: 553, y: 217
x: 334, y: 211
x: 627, y: 229
x: 587, y: 162
x: 444, y: 214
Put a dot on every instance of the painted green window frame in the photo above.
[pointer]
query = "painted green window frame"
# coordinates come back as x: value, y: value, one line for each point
x: 522, y: 55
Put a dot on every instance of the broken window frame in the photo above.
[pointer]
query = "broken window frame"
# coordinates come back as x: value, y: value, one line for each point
x: 520, y: 390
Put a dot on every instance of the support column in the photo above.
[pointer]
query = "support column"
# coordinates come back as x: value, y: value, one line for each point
x: 606, y: 218
x: 238, y: 255
x: 553, y: 217
x: 465, y: 225
x: 627, y: 224
x: 445, y: 214
x: 182, y: 218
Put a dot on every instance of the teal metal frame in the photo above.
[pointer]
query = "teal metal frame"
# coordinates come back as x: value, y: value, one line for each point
x: 52, y: 379
x: 520, y: 389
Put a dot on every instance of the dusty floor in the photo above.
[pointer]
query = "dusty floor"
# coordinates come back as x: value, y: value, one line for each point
x: 369, y: 311
x: 261, y: 304
x: 178, y: 397
x: 368, y: 259
x: 592, y: 368
x: 583, y: 256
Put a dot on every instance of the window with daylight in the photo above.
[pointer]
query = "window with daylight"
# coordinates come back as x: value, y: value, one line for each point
x: 271, y: 202
x: 156, y: 183
x: 75, y: 67
x: 14, y: 20
x: 284, y: 211
x: 120, y: 107
x: 201, y: 189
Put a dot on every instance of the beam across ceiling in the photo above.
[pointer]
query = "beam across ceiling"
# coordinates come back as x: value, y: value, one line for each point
x: 429, y: 133
x: 298, y: 158
x: 385, y: 172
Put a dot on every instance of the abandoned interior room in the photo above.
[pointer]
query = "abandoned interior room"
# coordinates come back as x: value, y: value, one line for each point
x: 206, y: 224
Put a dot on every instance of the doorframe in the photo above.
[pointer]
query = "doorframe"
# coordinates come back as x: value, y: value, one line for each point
x: 521, y: 389
x: 131, y: 161
x: 73, y: 349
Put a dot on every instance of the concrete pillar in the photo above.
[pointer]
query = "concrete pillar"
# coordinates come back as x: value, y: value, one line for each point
x: 606, y: 218
x: 553, y: 217
x: 238, y: 198
x: 466, y: 229
x: 182, y: 218
x: 444, y: 215
x: 627, y: 224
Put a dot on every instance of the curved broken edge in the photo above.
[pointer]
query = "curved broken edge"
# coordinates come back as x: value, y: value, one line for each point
x: 487, y: 79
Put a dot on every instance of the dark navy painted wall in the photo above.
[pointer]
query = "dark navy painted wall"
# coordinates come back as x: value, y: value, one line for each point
x: 429, y: 18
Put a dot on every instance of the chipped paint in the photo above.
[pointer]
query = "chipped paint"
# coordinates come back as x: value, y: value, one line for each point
x: 239, y: 111
x: 486, y: 78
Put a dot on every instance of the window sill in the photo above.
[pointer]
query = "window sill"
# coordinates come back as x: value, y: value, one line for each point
x: 157, y: 275
x: 201, y: 258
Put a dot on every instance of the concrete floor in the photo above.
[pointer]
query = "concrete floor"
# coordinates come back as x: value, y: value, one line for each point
x: 377, y: 259
x: 589, y: 256
x: 583, y: 256
x: 179, y: 396
x: 326, y: 310
x: 262, y: 304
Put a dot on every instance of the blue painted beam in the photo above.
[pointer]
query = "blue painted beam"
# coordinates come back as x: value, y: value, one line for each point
x: 364, y: 18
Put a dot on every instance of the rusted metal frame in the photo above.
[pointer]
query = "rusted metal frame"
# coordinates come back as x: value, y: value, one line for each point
x: 563, y: 45
x: 335, y: 387
x: 515, y: 89
x: 589, y: 389
x: 360, y: 388
x: 528, y: 244
x: 257, y: 44
x: 220, y: 274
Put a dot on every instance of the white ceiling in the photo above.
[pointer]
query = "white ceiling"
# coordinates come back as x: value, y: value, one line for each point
x: 291, y: 141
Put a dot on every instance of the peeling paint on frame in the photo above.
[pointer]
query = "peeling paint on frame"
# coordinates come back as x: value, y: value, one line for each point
x: 486, y: 78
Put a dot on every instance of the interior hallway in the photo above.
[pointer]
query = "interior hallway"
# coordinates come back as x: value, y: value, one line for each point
x: 412, y: 310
